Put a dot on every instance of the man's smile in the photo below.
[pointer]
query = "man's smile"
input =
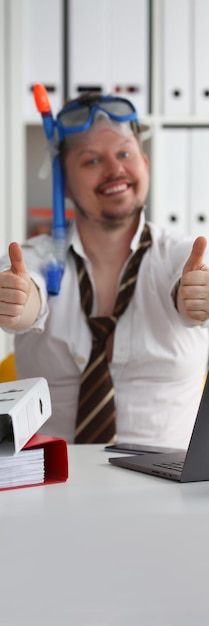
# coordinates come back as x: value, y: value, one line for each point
x: 112, y: 188
x: 116, y: 189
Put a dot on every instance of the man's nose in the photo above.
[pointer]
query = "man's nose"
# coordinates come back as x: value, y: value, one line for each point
x: 114, y: 166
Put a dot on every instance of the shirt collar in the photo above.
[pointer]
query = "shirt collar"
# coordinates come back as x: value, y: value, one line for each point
x: 137, y: 235
x: 73, y: 238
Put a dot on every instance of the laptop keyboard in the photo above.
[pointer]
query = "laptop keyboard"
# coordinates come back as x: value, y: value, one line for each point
x: 175, y: 466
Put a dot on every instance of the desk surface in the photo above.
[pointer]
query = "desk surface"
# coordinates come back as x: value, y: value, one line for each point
x: 110, y: 547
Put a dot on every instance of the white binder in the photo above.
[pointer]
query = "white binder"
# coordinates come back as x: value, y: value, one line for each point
x: 199, y: 183
x: 87, y: 45
x: 108, y: 48
x: 175, y: 180
x: 42, y: 53
x: 201, y: 57
x: 176, y: 57
x: 129, y: 45
x: 25, y: 405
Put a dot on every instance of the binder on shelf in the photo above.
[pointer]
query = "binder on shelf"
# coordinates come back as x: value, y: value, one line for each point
x: 55, y: 462
x: 199, y: 182
x: 175, y: 180
x: 109, y: 63
x: 87, y: 46
x: 129, y: 63
x: 25, y: 405
x: 42, y: 53
x: 201, y: 54
x: 176, y: 57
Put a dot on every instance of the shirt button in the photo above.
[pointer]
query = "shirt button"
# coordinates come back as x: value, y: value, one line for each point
x: 80, y: 360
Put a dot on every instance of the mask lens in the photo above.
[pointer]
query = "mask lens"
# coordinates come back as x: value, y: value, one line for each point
x: 119, y: 108
x: 74, y: 117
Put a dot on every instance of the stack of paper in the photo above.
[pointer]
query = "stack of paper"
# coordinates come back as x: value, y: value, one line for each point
x: 25, y: 468
x: 43, y: 460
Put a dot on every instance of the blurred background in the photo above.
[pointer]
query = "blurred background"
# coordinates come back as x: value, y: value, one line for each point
x: 154, y: 52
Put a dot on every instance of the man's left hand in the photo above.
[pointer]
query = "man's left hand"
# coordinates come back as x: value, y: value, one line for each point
x: 193, y: 292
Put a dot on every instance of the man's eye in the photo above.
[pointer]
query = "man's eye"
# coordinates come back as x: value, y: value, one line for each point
x: 92, y: 161
x: 125, y: 155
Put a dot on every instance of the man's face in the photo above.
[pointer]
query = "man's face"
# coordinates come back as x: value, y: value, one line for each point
x: 107, y: 176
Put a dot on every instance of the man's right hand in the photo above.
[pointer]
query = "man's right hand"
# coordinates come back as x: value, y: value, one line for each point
x: 16, y: 290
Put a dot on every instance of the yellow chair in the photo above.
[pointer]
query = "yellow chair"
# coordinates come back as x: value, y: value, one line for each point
x: 7, y: 369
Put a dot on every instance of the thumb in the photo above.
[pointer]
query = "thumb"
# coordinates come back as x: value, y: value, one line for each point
x: 195, y: 260
x: 18, y: 265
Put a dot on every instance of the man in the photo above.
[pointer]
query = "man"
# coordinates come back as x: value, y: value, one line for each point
x: 156, y: 344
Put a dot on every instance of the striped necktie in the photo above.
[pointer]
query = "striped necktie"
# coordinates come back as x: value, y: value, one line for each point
x: 96, y: 416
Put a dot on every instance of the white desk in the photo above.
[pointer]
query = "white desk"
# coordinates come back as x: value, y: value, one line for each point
x: 110, y: 547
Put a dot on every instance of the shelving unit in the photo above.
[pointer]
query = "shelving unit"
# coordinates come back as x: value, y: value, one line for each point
x: 12, y: 145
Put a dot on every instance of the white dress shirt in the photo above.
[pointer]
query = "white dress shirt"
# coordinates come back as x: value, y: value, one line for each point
x: 158, y: 363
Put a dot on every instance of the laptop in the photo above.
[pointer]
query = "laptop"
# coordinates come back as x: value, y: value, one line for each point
x: 191, y: 465
x: 132, y: 448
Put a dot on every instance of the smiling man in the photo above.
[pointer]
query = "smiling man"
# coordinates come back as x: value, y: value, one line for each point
x: 107, y: 175
x: 124, y: 345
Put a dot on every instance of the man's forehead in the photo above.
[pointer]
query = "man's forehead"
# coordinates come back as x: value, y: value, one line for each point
x: 97, y: 131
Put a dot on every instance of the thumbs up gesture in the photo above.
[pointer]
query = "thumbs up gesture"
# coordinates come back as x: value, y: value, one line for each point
x: 19, y: 297
x: 193, y: 291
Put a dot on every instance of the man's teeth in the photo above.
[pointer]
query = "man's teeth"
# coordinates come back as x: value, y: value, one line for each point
x: 115, y: 189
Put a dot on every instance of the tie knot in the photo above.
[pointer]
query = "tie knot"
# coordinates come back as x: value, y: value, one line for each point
x: 101, y: 327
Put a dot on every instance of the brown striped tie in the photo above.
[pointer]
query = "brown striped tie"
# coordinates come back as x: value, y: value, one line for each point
x: 96, y: 414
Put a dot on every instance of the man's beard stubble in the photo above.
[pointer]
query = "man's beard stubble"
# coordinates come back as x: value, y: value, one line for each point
x: 107, y: 220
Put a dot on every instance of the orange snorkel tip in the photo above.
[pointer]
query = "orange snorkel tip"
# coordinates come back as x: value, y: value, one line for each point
x: 41, y: 98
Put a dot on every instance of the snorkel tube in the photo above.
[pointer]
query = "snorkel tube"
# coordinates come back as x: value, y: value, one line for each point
x: 55, y: 261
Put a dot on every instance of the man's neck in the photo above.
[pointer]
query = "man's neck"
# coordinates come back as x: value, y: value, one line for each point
x: 107, y: 247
